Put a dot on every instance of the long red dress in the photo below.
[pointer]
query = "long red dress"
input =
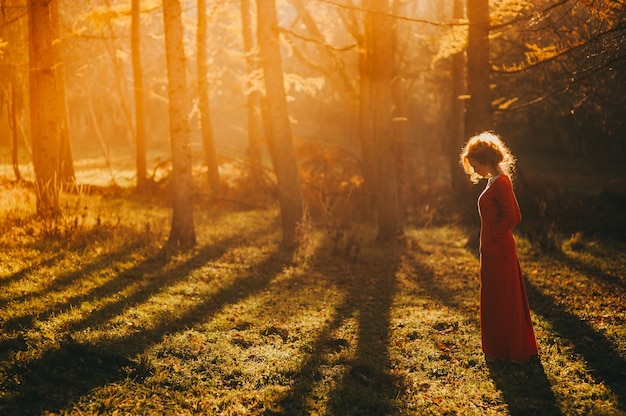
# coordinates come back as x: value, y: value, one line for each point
x: 505, y: 325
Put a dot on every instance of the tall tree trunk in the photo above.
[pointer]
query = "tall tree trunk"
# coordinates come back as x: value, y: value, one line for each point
x: 210, y: 154
x: 66, y: 162
x: 277, y: 123
x: 140, y: 121
x: 253, y: 104
x: 478, y: 117
x: 455, y: 140
x: 46, y: 124
x: 366, y: 136
x: 12, y: 116
x: 120, y: 81
x: 383, y: 27
x: 182, y: 232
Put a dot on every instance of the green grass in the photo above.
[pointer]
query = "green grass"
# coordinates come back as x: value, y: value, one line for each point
x: 99, y: 317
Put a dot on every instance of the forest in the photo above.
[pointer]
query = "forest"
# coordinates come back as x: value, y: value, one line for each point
x: 257, y: 206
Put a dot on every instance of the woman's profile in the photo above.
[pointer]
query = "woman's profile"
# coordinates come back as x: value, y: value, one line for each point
x: 505, y: 325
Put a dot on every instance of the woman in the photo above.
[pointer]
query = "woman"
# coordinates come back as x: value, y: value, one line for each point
x: 505, y: 325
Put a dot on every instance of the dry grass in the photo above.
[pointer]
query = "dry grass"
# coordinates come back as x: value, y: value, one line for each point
x: 98, y: 317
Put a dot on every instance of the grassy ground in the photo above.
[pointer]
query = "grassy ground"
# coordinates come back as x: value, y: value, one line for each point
x: 98, y: 318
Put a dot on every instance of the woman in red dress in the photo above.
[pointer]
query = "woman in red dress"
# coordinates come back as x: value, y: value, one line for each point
x: 505, y: 325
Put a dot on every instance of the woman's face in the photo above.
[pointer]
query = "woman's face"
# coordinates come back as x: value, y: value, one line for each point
x: 483, y: 169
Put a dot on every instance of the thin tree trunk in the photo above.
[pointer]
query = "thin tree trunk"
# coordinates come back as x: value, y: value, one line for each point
x: 383, y: 27
x: 182, y: 232
x: 368, y: 153
x: 210, y: 154
x: 277, y: 123
x: 120, y: 84
x: 478, y: 117
x: 45, y: 121
x: 455, y: 140
x: 14, y: 135
x: 66, y: 162
x: 100, y: 137
x: 140, y: 122
x: 253, y: 104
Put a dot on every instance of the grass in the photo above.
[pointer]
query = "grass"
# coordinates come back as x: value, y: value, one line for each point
x: 99, y: 317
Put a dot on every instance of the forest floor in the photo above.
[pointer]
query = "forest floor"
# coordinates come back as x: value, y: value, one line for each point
x: 99, y: 317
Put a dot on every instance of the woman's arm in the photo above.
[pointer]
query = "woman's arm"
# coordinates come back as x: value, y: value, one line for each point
x: 510, y: 214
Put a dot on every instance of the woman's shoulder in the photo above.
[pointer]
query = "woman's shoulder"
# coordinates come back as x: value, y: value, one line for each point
x: 503, y: 181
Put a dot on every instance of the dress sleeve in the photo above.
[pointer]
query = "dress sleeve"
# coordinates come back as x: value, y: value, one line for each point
x: 510, y: 214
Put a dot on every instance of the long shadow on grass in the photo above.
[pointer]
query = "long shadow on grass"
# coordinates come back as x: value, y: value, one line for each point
x: 46, y: 262
x: 366, y: 387
x: 61, y: 376
x: 58, y: 284
x: 526, y: 388
x: 605, y: 362
x: 595, y: 272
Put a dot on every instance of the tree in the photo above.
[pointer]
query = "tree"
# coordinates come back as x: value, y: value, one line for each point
x: 66, y: 162
x: 478, y: 116
x: 140, y: 122
x: 381, y: 101
x: 182, y: 232
x: 46, y: 118
x: 456, y: 136
x: 210, y: 155
x: 253, y: 99
x: 277, y: 124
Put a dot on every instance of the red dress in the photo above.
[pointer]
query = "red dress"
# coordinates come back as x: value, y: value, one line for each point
x: 505, y: 325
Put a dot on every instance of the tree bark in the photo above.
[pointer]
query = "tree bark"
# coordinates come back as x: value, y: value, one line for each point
x: 45, y: 122
x: 458, y: 178
x: 366, y: 137
x: 182, y: 232
x: 253, y: 103
x: 140, y: 121
x: 66, y: 162
x: 383, y: 27
x: 210, y: 154
x: 12, y: 116
x: 479, y: 116
x: 277, y: 124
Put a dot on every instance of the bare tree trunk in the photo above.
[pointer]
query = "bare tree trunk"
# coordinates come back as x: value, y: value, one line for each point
x: 456, y: 139
x: 255, y: 128
x: 45, y: 121
x: 210, y: 154
x: 478, y: 117
x: 277, y: 123
x: 12, y: 116
x: 368, y: 154
x: 383, y: 27
x: 103, y: 144
x: 140, y: 121
x: 182, y: 232
x: 120, y: 83
x: 66, y: 162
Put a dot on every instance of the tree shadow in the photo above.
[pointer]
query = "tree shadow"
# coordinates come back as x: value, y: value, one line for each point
x: 526, y: 388
x: 366, y: 387
x: 606, y: 363
x: 594, y: 272
x: 61, y: 375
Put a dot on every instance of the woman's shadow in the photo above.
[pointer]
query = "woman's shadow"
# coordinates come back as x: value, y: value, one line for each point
x: 525, y: 388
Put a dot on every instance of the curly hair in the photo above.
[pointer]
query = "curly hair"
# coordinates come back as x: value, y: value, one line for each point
x: 487, y: 148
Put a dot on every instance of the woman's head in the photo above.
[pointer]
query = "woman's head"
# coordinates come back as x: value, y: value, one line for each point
x: 486, y: 149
